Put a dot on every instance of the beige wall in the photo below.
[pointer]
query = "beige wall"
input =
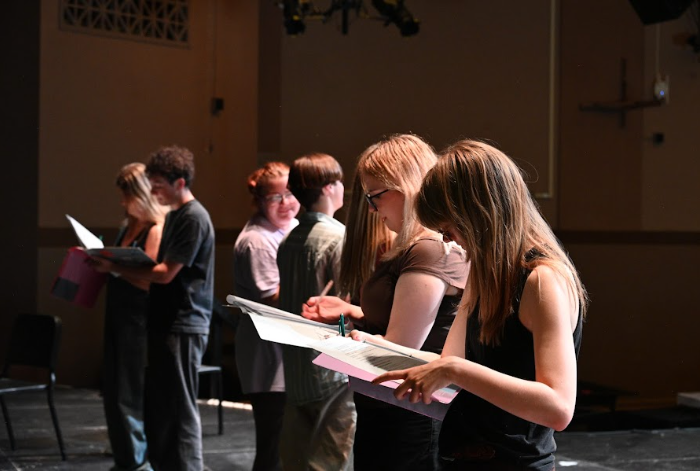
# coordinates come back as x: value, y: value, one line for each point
x: 600, y: 158
x: 105, y: 102
x: 641, y: 334
x: 617, y: 191
x: 671, y: 171
x: 477, y: 69
x: 109, y: 101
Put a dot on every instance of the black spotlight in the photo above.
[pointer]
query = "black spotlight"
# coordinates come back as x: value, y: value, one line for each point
x: 294, y: 12
x: 656, y: 11
x: 394, y: 11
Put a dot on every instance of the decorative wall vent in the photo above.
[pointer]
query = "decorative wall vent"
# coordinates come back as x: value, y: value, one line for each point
x: 157, y: 21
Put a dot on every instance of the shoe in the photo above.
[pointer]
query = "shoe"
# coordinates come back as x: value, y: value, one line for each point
x: 144, y: 467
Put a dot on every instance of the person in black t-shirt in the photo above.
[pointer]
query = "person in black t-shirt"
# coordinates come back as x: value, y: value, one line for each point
x: 180, y: 310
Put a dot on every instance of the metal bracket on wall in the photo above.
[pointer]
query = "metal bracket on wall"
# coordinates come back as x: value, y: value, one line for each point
x: 623, y: 105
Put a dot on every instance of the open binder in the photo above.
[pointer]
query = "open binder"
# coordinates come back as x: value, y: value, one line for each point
x: 127, y: 256
x: 361, y: 361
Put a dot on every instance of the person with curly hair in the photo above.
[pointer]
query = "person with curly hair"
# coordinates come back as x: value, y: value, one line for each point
x: 181, y: 298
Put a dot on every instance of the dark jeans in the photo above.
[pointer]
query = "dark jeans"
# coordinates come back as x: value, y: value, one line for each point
x: 173, y: 426
x: 268, y: 412
x: 124, y: 369
x: 391, y: 438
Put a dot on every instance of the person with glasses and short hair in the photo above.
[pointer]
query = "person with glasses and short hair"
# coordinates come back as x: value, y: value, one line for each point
x: 410, y: 299
x: 257, y: 278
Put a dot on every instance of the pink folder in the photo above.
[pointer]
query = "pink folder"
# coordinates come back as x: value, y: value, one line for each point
x: 76, y: 281
x: 360, y: 381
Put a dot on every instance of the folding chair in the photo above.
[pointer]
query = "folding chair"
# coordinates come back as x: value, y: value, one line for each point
x: 213, y: 355
x: 217, y: 377
x: 34, y: 343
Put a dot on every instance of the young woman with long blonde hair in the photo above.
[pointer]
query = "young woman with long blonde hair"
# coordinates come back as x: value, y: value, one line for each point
x: 366, y: 240
x: 125, y: 338
x: 409, y: 299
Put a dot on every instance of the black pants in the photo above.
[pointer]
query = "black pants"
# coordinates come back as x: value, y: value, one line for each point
x: 392, y: 438
x: 173, y: 427
x: 268, y: 412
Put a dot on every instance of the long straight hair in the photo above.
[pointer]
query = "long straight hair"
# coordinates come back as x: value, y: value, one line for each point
x: 134, y: 184
x: 481, y: 191
x: 400, y: 162
x: 366, y: 236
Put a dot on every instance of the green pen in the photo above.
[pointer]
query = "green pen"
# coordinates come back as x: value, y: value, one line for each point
x: 341, y: 325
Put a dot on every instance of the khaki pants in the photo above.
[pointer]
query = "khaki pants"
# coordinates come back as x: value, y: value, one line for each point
x: 319, y: 435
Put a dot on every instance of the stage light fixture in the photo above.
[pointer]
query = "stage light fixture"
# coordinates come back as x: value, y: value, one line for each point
x: 294, y: 12
x: 394, y: 11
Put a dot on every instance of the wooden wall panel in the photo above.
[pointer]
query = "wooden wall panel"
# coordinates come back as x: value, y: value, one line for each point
x: 600, y: 159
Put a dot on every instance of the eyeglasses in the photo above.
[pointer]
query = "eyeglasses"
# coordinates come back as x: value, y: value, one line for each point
x: 276, y: 198
x: 370, y: 198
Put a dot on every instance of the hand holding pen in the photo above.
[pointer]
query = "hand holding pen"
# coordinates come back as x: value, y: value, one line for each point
x: 341, y: 320
x: 327, y: 309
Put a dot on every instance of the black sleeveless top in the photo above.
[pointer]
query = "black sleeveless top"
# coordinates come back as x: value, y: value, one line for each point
x: 474, y: 430
x: 139, y: 240
x: 118, y: 287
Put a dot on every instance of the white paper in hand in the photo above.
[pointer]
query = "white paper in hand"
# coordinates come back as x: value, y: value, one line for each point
x: 86, y: 238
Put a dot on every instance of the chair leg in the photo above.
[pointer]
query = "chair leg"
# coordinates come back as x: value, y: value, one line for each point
x: 8, y: 423
x: 219, y: 384
x: 54, y: 417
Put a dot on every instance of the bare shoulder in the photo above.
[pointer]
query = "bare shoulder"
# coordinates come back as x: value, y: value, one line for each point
x: 545, y: 277
x: 155, y: 233
x: 547, y: 296
x: 157, y: 228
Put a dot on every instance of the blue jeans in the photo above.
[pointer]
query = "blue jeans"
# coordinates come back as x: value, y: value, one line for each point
x: 123, y: 380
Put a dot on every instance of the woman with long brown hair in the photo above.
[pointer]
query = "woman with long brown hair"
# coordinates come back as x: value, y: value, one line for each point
x: 514, y: 344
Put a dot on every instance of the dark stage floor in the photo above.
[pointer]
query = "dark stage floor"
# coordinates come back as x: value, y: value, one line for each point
x: 85, y: 436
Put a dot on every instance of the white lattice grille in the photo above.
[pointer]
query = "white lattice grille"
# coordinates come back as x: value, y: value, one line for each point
x: 159, y: 21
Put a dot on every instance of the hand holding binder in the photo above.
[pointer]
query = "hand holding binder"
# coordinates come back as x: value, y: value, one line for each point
x: 126, y: 256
